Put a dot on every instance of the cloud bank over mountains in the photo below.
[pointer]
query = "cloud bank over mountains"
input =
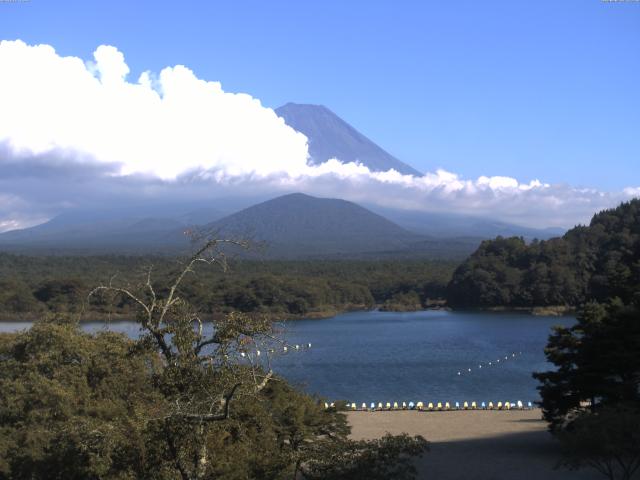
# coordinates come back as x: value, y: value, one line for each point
x: 161, y: 125
x: 80, y: 133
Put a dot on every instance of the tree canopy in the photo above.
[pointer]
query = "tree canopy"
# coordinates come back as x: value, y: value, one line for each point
x: 31, y: 286
x: 191, y: 399
x: 592, y: 399
x: 594, y: 262
x: 597, y: 363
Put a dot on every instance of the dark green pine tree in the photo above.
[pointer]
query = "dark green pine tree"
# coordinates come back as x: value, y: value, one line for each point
x: 598, y: 363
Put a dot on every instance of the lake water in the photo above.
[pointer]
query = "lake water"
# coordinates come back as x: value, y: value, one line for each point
x: 388, y: 356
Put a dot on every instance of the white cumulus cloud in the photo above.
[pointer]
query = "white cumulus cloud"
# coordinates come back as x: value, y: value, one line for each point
x: 77, y: 132
x: 164, y: 127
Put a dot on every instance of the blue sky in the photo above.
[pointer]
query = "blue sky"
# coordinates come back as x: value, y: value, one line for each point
x: 536, y: 89
x: 521, y: 111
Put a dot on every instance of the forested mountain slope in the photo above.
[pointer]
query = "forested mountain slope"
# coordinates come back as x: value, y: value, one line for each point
x: 299, y: 226
x: 596, y: 262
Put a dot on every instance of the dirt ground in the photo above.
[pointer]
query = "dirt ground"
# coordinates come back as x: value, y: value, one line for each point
x: 474, y: 445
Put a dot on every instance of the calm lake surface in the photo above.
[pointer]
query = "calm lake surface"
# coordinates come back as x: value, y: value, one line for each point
x: 388, y: 356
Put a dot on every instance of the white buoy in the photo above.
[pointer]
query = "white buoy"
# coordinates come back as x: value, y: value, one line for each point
x: 489, y: 363
x: 529, y: 406
x: 297, y: 347
x: 242, y: 354
x: 469, y: 369
x: 284, y: 349
x: 258, y: 352
x: 459, y: 373
x: 308, y: 345
x: 479, y: 366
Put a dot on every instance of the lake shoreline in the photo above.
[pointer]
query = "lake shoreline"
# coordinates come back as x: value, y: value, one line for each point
x: 539, y: 311
x: 548, y: 311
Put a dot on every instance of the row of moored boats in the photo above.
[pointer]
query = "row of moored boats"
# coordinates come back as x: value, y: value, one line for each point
x: 434, y: 407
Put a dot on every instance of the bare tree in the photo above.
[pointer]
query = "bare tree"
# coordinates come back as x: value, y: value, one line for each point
x: 207, y: 364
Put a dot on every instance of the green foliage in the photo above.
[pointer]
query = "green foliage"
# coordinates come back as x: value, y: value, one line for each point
x: 18, y: 298
x: 72, y: 405
x: 381, y: 459
x: 597, y: 262
x: 32, y: 285
x: 80, y: 406
x: 175, y: 404
x: 592, y: 399
x: 607, y: 440
x: 597, y: 362
x: 406, y: 302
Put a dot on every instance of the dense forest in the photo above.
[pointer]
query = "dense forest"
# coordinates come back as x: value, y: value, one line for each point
x: 32, y: 285
x: 594, y: 262
x: 175, y: 403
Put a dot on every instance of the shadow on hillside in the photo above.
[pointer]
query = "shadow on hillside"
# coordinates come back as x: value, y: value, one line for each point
x: 518, y: 456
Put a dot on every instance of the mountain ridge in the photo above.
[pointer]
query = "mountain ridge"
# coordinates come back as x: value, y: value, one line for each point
x: 296, y: 224
x: 330, y: 136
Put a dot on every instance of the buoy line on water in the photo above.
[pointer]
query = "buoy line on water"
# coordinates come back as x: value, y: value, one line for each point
x: 493, y: 363
x: 286, y: 348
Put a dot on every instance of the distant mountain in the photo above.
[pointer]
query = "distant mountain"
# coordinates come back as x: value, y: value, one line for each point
x: 299, y: 225
x: 331, y: 137
x: 141, y: 229
x: 123, y: 235
x: 447, y: 225
x: 290, y: 226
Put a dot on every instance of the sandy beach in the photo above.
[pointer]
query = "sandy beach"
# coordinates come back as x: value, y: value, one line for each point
x: 474, y: 445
